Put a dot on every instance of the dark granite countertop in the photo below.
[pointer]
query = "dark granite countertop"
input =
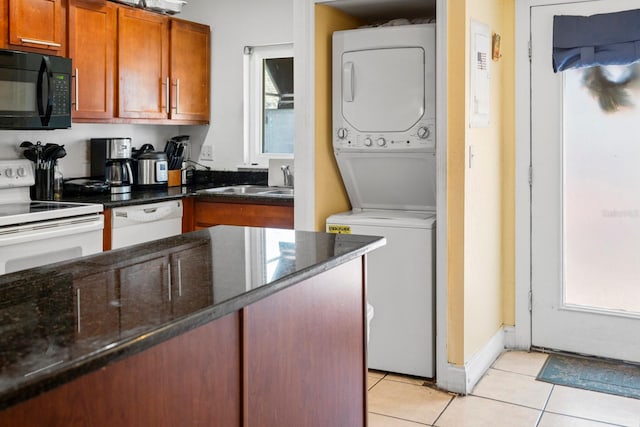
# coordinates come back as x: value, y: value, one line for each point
x: 125, y: 304
x: 203, y: 180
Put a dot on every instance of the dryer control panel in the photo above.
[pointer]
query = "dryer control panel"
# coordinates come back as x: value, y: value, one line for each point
x: 421, y: 137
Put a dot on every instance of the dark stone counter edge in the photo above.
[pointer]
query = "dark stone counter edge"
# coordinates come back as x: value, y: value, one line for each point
x: 63, y: 373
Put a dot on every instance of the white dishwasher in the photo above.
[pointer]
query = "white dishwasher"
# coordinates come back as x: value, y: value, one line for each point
x: 135, y: 224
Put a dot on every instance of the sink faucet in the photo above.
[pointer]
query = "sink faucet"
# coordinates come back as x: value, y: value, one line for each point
x: 288, y: 176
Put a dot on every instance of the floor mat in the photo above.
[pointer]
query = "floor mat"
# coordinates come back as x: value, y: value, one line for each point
x: 617, y: 378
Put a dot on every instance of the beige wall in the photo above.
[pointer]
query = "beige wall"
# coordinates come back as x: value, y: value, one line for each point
x: 480, y: 197
x: 331, y: 196
x: 509, y: 164
x: 456, y: 132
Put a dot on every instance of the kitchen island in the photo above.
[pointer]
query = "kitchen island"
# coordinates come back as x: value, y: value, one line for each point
x: 224, y: 326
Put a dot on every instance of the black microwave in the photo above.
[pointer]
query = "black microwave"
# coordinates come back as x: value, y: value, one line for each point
x: 35, y: 91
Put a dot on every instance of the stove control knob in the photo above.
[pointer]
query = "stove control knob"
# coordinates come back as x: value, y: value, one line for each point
x: 381, y: 142
x: 8, y: 172
x: 424, y: 132
x: 342, y: 133
x: 22, y: 172
x: 368, y: 142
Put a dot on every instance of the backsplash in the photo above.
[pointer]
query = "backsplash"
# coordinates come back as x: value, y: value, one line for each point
x: 76, y: 141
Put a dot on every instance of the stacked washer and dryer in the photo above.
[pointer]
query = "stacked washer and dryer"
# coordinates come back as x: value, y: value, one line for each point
x: 385, y: 148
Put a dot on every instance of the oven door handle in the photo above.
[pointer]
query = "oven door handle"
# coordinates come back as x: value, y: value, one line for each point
x: 55, y: 229
x: 44, y: 111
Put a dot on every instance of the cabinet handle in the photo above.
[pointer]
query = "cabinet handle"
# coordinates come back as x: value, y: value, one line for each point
x: 169, y: 280
x: 164, y: 106
x: 177, y: 96
x: 179, y: 277
x: 77, y: 88
x: 79, y: 327
x: 40, y: 42
x: 168, y: 99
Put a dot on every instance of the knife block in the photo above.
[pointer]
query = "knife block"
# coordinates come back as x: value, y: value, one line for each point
x: 175, y: 178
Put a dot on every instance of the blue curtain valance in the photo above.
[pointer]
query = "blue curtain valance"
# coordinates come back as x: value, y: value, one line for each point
x: 604, y: 39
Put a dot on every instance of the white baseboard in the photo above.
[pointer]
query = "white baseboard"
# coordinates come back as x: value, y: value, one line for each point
x: 462, y: 379
x: 512, y: 341
x: 509, y: 337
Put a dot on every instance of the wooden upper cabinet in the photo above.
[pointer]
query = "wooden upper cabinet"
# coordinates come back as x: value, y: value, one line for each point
x: 190, y: 70
x: 37, y: 25
x: 143, y: 64
x: 92, y: 47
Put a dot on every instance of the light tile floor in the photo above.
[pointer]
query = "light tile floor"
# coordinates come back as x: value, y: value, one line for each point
x: 508, y: 395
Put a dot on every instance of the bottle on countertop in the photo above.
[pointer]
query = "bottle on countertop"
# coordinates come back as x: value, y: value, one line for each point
x: 58, y: 182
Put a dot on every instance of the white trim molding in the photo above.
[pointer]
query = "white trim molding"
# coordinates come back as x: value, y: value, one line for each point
x: 304, y: 88
x: 522, y: 339
x: 444, y: 374
x: 462, y: 379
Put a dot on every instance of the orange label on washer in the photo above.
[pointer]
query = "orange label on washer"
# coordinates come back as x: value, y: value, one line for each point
x: 339, y: 229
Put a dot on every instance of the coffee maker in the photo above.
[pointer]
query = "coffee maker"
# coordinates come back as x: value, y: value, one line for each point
x: 111, y: 161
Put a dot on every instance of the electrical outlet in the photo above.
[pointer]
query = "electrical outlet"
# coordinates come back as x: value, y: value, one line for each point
x: 207, y: 152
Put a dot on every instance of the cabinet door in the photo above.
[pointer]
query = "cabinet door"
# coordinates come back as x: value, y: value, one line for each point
x: 208, y: 214
x: 192, y: 285
x: 37, y: 24
x: 143, y: 64
x: 144, y: 294
x: 92, y: 44
x: 94, y: 312
x: 190, y: 64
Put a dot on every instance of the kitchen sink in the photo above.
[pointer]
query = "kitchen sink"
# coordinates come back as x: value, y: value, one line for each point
x: 282, y: 192
x: 250, y: 190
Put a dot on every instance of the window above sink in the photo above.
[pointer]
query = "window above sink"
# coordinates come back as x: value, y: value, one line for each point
x: 269, y: 103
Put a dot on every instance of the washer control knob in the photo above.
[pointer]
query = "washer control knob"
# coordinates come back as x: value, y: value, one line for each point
x: 342, y: 133
x: 424, y: 132
x: 368, y: 142
x: 381, y: 142
x: 8, y: 172
x: 22, y: 172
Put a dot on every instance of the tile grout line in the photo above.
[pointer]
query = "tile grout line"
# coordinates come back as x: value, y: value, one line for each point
x: 607, y: 423
x: 544, y: 407
x: 505, y: 402
x: 377, y: 381
x: 401, y: 419
x: 435, y: 422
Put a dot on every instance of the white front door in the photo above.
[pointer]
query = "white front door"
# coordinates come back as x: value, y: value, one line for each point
x: 585, y: 200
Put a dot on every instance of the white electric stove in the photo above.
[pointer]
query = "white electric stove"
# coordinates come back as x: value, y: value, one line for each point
x: 35, y: 233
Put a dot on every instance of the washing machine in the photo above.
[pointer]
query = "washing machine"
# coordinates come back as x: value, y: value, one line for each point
x: 385, y: 147
x: 400, y: 278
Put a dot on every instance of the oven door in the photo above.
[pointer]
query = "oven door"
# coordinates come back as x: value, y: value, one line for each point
x: 32, y: 245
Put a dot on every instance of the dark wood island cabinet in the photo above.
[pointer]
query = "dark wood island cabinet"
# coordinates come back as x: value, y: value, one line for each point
x: 258, y: 341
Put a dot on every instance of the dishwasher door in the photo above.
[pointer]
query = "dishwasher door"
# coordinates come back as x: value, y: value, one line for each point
x: 131, y: 225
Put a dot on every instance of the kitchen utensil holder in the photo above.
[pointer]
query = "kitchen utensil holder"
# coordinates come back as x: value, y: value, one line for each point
x: 43, y: 187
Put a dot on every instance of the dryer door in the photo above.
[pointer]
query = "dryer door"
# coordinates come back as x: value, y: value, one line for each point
x: 383, y: 89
